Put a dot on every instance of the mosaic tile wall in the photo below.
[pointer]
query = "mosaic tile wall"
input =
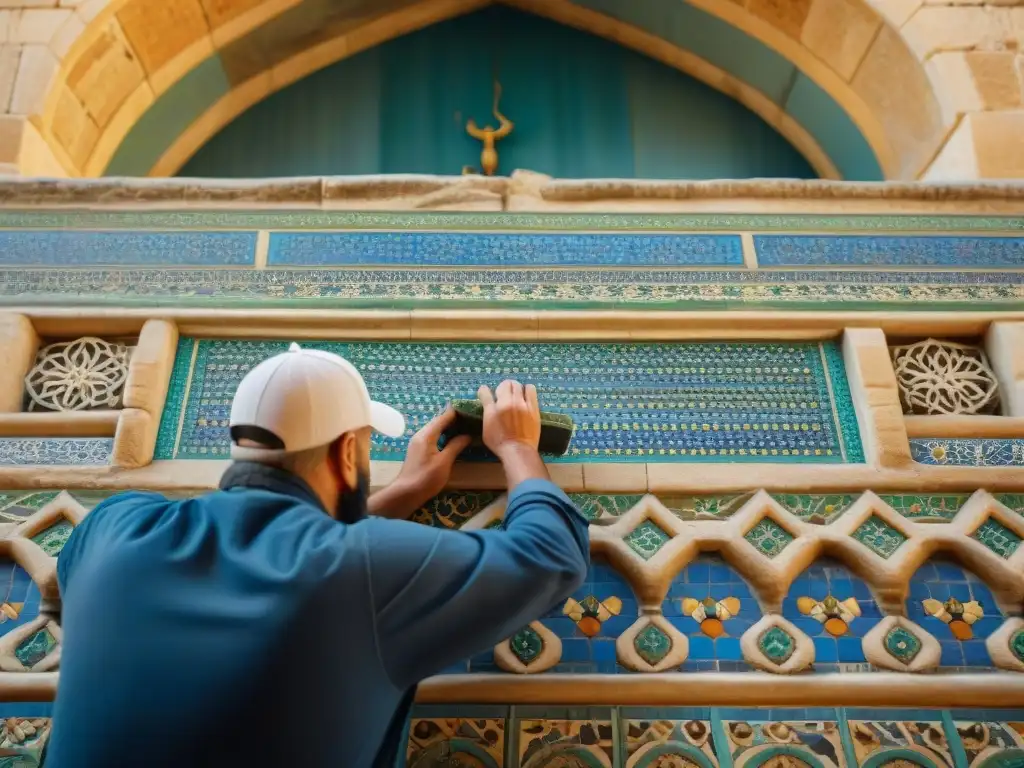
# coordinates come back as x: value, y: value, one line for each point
x: 968, y: 452
x: 473, y: 259
x: 493, y: 736
x: 630, y: 402
x: 56, y: 451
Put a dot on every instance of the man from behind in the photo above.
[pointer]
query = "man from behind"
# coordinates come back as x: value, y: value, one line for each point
x: 273, y: 622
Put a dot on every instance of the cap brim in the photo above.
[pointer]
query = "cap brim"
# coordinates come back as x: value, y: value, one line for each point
x: 386, y: 420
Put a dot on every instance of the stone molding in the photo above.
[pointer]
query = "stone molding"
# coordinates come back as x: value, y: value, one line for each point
x: 523, y: 191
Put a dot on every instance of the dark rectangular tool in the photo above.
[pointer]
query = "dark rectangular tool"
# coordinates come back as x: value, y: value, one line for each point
x: 555, y: 428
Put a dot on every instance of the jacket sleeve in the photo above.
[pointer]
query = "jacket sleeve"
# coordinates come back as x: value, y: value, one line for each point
x: 441, y: 596
x: 97, y: 530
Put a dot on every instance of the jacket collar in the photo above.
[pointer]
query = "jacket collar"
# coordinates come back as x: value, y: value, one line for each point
x: 250, y: 474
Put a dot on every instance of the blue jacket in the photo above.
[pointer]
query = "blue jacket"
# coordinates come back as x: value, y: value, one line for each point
x: 246, y: 627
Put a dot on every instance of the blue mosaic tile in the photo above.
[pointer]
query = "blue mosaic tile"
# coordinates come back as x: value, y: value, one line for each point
x: 51, y: 451
x: 650, y: 288
x: 808, y: 599
x: 872, y: 251
x: 432, y: 249
x: 968, y: 452
x: 655, y: 402
x: 963, y: 643
x: 155, y: 249
x: 727, y: 609
x: 587, y: 654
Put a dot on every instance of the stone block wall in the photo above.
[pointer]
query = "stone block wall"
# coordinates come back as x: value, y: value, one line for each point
x: 934, y: 85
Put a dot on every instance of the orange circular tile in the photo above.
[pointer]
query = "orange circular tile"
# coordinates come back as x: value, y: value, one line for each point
x: 712, y: 627
x: 589, y: 626
x: 961, y: 629
x: 836, y: 627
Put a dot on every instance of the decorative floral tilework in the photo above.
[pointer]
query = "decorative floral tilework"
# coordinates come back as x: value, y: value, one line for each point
x: 456, y: 740
x: 1014, y: 501
x: 669, y: 737
x: 453, y: 510
x: 594, y: 507
x: 705, y: 507
x: 22, y: 739
x: 647, y: 539
x: 999, y: 745
x: 567, y: 737
x: 35, y: 647
x: 154, y: 249
x: 768, y: 537
x: 835, y: 608
x: 527, y: 645
x: 792, y: 742
x: 663, y: 402
x: 50, y: 451
x: 968, y: 452
x: 871, y: 251
x: 872, y: 739
x: 465, y: 249
x: 711, y: 604
x: 927, y: 507
x: 815, y: 508
x: 878, y: 536
x: 997, y: 537
x: 580, y: 288
x: 53, y: 539
x: 968, y: 614
x: 607, y: 608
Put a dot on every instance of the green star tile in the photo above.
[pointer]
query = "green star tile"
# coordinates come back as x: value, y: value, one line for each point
x: 878, y: 536
x: 776, y: 644
x: 594, y: 507
x: 646, y: 539
x: 902, y: 644
x: 35, y: 648
x: 927, y: 507
x: 652, y: 644
x: 1017, y: 644
x: 997, y: 537
x: 527, y: 645
x: 53, y: 539
x: 769, y: 537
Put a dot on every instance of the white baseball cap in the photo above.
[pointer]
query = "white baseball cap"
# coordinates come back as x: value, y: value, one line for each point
x: 304, y: 398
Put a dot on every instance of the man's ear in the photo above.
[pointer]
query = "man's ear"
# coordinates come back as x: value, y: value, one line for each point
x: 348, y: 460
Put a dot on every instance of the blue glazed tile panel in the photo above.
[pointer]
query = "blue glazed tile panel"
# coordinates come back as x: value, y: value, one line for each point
x: 151, y: 249
x: 630, y: 402
x: 55, y: 451
x: 464, y: 249
x: 871, y: 251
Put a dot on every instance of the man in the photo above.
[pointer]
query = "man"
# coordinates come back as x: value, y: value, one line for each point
x: 267, y: 623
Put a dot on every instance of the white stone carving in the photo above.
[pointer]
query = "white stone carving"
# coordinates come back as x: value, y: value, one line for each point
x: 942, y: 377
x: 78, y: 375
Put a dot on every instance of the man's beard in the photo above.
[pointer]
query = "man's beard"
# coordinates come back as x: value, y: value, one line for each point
x: 352, y: 504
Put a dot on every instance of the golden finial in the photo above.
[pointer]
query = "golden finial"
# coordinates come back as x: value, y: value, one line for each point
x: 489, y: 136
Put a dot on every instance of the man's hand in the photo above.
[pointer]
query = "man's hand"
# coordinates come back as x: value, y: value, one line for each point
x: 425, y: 471
x: 512, y: 429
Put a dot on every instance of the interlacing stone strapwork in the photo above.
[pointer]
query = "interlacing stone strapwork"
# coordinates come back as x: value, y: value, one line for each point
x: 652, y: 644
x: 776, y: 644
x: 79, y: 375
x: 940, y: 377
x: 527, y: 645
x: 1017, y: 644
x: 902, y: 644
